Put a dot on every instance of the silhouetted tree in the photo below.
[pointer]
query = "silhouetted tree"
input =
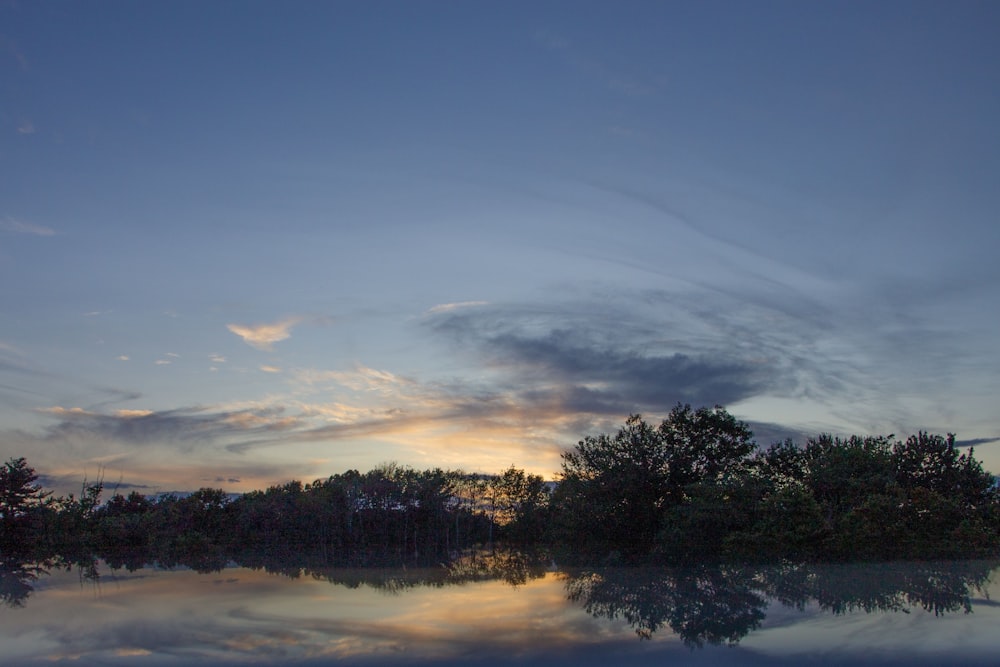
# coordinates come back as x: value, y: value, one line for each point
x: 20, y: 495
x: 615, y: 491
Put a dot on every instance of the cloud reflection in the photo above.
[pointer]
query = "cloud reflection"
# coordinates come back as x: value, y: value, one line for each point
x: 360, y: 617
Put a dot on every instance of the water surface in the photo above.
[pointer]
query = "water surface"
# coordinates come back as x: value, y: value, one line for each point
x: 496, y: 611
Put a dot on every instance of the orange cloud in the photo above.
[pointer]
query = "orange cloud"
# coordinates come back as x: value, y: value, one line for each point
x: 264, y: 336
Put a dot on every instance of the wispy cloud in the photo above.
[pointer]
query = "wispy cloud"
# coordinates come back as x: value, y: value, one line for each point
x: 27, y: 127
x: 182, y: 428
x: 448, y: 307
x: 270, y: 369
x: 14, y: 226
x: 361, y: 379
x: 263, y: 336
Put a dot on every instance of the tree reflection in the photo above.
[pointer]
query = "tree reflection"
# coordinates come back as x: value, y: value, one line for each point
x: 512, y: 567
x: 509, y: 566
x: 704, y: 604
x: 17, y: 580
x: 711, y: 604
x: 936, y: 587
x: 19, y: 575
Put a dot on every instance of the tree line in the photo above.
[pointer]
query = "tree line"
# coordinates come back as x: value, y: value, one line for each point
x: 696, y: 487
x: 390, y: 514
x: 693, y: 488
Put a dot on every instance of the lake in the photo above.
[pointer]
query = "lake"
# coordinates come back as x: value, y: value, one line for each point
x: 503, y: 609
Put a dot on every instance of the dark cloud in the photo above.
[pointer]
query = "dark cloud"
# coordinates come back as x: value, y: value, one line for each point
x: 593, y: 365
x: 182, y: 427
x: 975, y: 442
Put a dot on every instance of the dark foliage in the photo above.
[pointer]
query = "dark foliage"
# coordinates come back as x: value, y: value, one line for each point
x: 694, y: 489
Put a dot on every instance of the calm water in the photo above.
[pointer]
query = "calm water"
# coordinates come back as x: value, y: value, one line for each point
x: 494, y: 611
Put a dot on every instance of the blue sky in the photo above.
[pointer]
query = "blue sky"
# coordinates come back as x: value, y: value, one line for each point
x: 243, y: 242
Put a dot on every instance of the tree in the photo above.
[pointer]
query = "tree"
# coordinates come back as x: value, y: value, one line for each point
x: 844, y: 474
x: 615, y: 491
x: 933, y: 462
x: 516, y: 503
x: 19, y: 495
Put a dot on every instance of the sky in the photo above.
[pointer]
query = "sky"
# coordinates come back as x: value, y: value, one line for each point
x: 248, y: 242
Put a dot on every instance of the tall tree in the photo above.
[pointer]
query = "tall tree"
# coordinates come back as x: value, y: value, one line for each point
x: 19, y: 494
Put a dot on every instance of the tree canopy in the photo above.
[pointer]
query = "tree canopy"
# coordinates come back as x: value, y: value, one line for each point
x: 615, y: 491
x: 697, y: 487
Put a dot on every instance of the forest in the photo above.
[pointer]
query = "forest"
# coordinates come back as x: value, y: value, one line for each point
x: 695, y: 488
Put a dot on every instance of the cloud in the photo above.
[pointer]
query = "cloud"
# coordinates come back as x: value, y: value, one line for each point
x: 263, y: 336
x: 545, y: 375
x: 542, y: 376
x: 606, y: 378
x: 26, y: 127
x: 447, y: 307
x: 183, y: 428
x: 133, y: 413
x: 975, y: 442
x: 360, y: 379
x: 123, y: 357
x: 13, y: 226
x: 589, y: 365
x: 217, y: 358
x: 61, y: 411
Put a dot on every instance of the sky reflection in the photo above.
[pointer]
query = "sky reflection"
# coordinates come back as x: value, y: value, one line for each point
x: 241, y: 616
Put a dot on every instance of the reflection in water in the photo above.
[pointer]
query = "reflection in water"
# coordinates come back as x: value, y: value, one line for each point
x: 932, y: 586
x: 700, y: 604
x: 510, y: 567
x: 18, y: 577
x: 17, y: 580
x: 493, y: 608
x: 722, y: 604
